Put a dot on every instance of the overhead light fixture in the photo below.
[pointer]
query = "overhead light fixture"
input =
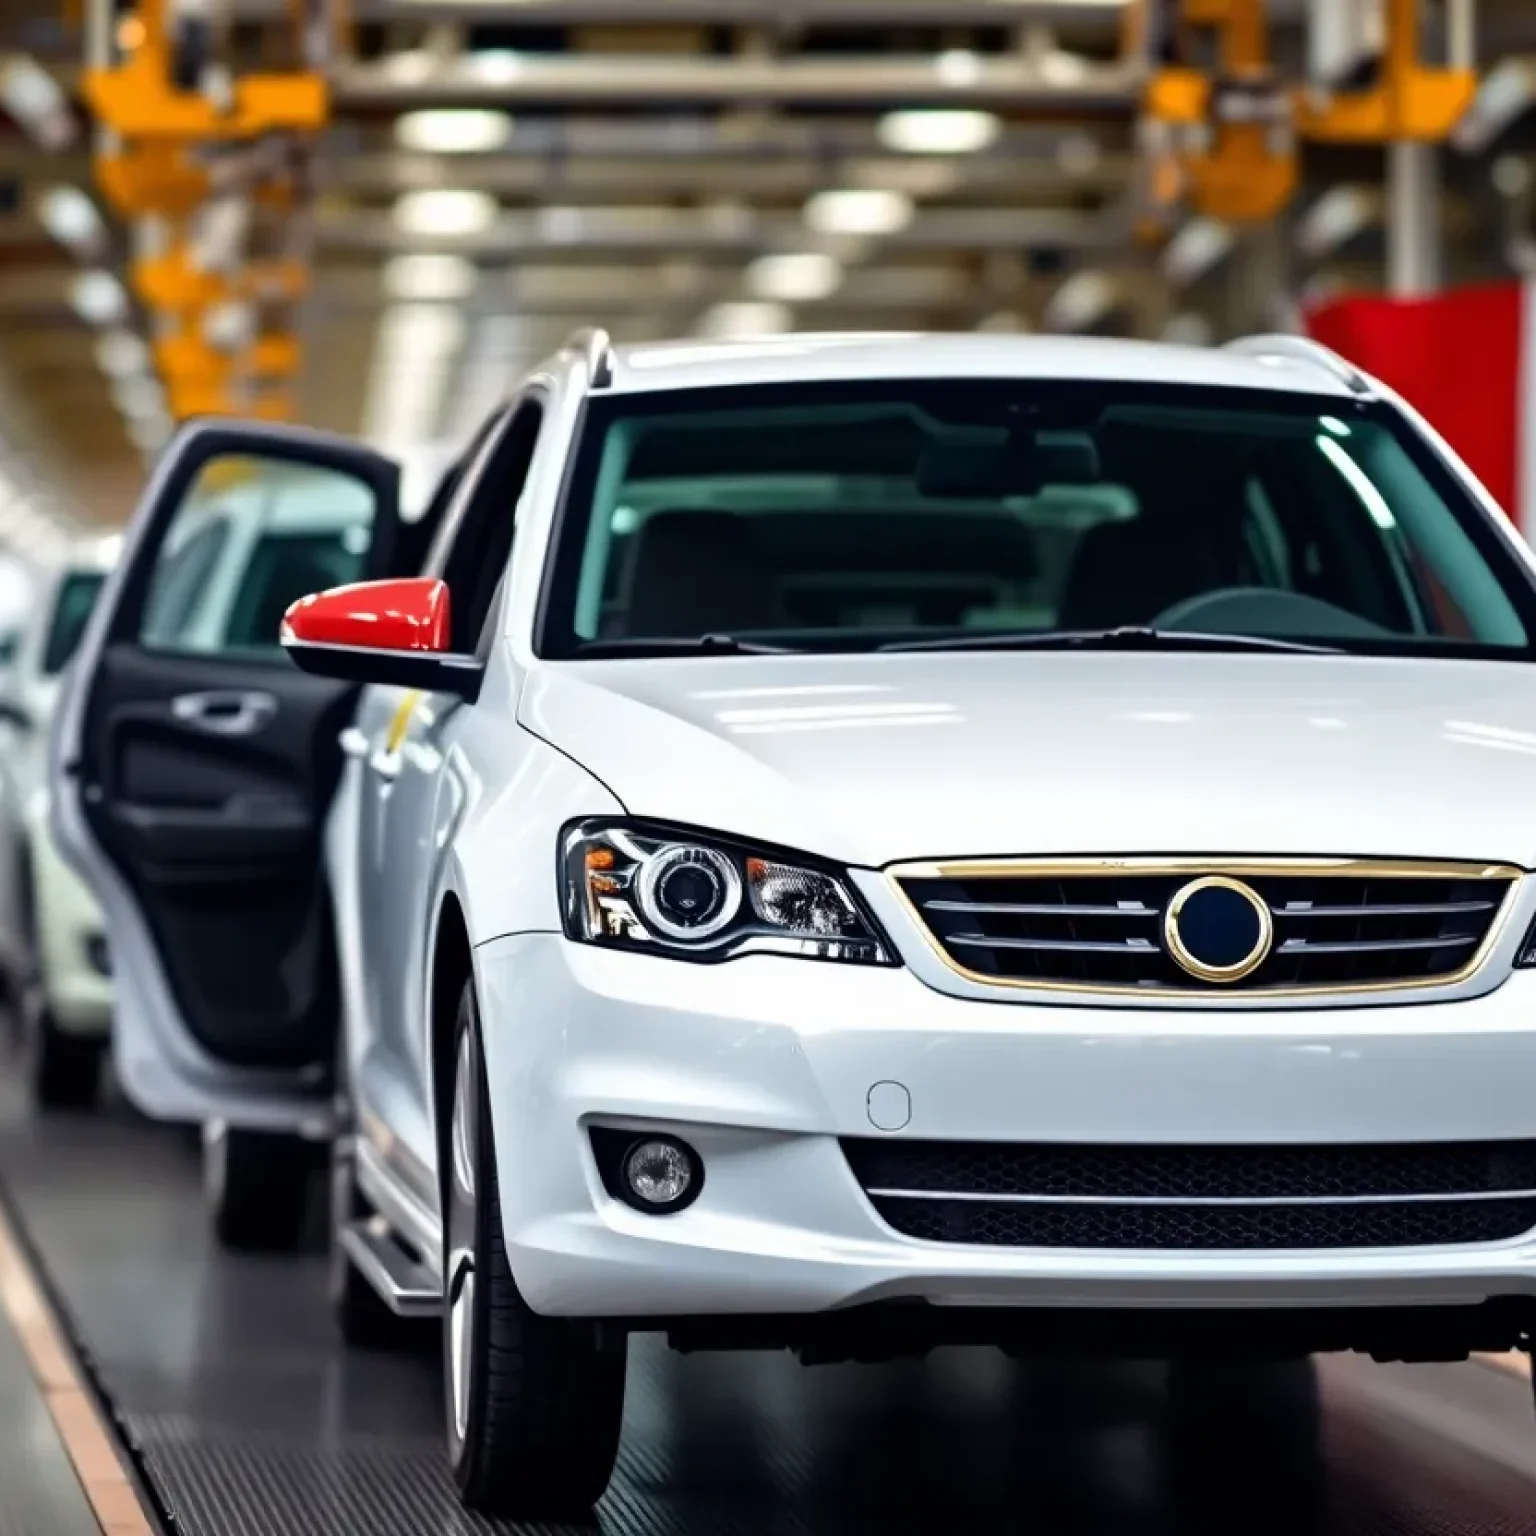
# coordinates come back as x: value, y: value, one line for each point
x: 563, y: 226
x: 98, y: 298
x: 428, y: 276
x: 938, y: 131
x: 495, y: 66
x: 417, y: 348
x: 958, y: 67
x: 1063, y: 69
x: 1510, y: 176
x: 445, y: 211
x: 71, y: 218
x: 1336, y: 218
x: 859, y: 211
x: 121, y: 354
x: 450, y: 131
x: 149, y: 434
x: 231, y: 326
x: 1082, y: 301
x: 411, y: 66
x: 1199, y: 246
x: 1504, y: 96
x: 798, y: 278
x: 36, y: 100
x: 139, y: 397
x: 746, y: 318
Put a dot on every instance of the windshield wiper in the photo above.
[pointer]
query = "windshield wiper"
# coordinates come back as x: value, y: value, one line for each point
x: 706, y: 645
x: 1128, y: 637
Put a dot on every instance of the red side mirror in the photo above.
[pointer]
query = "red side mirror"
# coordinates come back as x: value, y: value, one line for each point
x: 403, y: 615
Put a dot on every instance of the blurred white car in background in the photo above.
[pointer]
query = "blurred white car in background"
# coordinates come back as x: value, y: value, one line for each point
x: 53, y: 943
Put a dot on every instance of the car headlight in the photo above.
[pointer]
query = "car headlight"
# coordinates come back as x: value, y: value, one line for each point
x: 675, y: 892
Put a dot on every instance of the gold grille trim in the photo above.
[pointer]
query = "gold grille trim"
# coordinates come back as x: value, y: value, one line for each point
x: 1190, y: 868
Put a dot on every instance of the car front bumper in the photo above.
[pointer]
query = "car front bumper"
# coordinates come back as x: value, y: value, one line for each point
x: 762, y: 1063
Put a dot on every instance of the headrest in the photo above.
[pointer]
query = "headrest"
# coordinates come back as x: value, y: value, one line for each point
x: 695, y: 573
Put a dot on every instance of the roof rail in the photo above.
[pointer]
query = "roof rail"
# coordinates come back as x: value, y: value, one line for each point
x: 595, y: 345
x: 1301, y: 349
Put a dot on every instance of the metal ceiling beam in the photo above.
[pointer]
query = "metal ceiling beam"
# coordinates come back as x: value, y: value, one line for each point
x: 1008, y: 82
x: 752, y: 178
x: 538, y: 288
x: 1105, y: 14
x: 581, y: 235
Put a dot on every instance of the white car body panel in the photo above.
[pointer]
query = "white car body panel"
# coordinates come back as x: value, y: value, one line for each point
x: 762, y: 1062
x: 33, y: 876
x: 1020, y: 753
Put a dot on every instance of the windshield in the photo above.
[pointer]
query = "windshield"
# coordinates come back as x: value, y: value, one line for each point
x: 71, y: 611
x: 850, y: 515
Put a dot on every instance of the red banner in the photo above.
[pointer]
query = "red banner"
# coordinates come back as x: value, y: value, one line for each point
x: 1460, y: 358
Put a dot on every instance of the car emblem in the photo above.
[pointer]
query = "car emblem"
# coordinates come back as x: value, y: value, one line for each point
x: 1218, y: 929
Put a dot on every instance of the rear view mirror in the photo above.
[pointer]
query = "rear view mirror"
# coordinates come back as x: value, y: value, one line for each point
x: 391, y: 633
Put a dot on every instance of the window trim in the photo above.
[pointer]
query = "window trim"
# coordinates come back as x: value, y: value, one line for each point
x: 469, y: 512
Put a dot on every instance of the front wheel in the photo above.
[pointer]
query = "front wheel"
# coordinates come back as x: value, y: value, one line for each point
x: 533, y: 1403
x: 257, y: 1186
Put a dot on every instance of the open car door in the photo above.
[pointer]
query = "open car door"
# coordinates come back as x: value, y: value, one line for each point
x: 192, y: 768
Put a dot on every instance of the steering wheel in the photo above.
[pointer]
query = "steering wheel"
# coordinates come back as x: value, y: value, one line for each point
x: 1267, y: 611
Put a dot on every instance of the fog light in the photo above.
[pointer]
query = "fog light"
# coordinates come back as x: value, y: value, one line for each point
x: 659, y: 1174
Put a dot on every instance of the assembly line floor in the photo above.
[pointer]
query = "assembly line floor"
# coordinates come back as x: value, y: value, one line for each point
x: 244, y: 1416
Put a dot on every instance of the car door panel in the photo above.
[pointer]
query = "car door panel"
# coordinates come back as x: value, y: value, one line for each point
x: 195, y: 777
x: 218, y: 836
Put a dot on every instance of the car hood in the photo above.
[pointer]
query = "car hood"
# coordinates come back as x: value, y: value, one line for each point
x: 871, y: 759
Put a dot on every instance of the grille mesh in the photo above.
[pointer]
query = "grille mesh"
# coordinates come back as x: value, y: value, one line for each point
x: 1192, y: 1172
x: 1203, y: 1227
x: 1148, y: 1197
x: 1331, y: 930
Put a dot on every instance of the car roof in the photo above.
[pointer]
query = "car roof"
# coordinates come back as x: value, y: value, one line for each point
x: 817, y: 356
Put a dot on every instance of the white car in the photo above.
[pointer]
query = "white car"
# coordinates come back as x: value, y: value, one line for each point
x: 853, y: 843
x: 52, y: 938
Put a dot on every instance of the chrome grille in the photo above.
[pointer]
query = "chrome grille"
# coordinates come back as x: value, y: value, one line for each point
x: 1100, y: 925
x: 1047, y: 1195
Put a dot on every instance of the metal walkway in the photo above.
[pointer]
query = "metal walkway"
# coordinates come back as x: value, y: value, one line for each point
x: 245, y: 1416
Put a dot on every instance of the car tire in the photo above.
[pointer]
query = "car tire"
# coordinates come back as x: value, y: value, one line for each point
x: 362, y: 1318
x: 64, y: 1070
x: 533, y: 1404
x: 257, y: 1187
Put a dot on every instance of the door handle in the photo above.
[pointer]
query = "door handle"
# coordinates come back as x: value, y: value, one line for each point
x: 225, y: 712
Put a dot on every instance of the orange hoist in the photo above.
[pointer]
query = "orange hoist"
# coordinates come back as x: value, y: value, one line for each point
x: 1220, y: 129
x: 198, y: 158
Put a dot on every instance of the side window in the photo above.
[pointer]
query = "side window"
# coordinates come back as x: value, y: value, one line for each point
x: 180, y: 579
x: 71, y: 612
x: 475, y: 553
x: 250, y: 537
